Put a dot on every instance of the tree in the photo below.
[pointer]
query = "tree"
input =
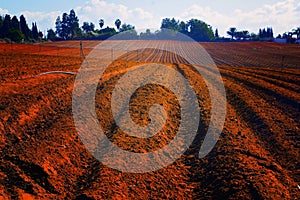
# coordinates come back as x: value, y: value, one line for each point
x: 216, y: 33
x: 147, y: 35
x: 118, y: 23
x: 73, y: 29
x: 168, y: 23
x: 6, y: 25
x: 15, y: 24
x: 92, y: 26
x: 199, y: 30
x: 232, y: 32
x: 41, y: 35
x: 101, y: 23
x: 51, y: 35
x: 65, y: 29
x: 1, y: 21
x: 126, y: 27
x: 266, y: 34
x: 246, y: 34
x: 35, y: 32
x: 24, y: 28
x: 58, y: 27
x: 86, y: 27
x: 183, y: 27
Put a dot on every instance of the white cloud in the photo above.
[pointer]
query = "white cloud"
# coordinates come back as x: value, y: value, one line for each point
x: 44, y: 20
x: 97, y: 9
x: 281, y: 16
x: 3, y: 11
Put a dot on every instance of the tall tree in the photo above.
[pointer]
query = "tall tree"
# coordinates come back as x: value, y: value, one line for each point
x: 216, y: 33
x: 6, y: 25
x: 101, y: 23
x: 232, y: 32
x: 24, y: 28
x: 35, y: 32
x: 118, y: 23
x: 1, y: 21
x: 15, y: 24
x: 73, y: 25
x: 58, y: 27
x: 65, y: 29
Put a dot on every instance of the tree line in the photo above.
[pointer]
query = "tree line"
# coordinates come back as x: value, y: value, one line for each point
x: 17, y: 30
x: 67, y: 27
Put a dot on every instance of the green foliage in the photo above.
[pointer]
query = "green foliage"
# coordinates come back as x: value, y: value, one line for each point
x: 68, y: 27
x: 196, y: 29
x: 24, y: 28
x: 126, y: 27
x: 88, y: 27
x: 16, y: 35
x: 172, y: 24
x: 200, y: 31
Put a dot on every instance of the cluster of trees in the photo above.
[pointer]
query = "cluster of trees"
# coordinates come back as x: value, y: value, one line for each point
x: 288, y: 36
x: 238, y: 35
x: 194, y: 28
x: 263, y: 35
x: 17, y: 30
x: 266, y: 34
x: 67, y: 28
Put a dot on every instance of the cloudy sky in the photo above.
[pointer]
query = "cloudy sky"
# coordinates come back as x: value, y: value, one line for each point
x: 282, y: 15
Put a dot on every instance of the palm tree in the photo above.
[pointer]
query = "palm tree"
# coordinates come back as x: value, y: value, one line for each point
x: 101, y: 23
x: 232, y: 32
x: 297, y: 32
x: 118, y: 23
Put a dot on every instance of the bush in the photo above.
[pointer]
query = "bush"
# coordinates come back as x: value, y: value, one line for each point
x: 16, y: 35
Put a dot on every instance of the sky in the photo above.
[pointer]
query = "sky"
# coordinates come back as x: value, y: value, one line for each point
x: 281, y: 15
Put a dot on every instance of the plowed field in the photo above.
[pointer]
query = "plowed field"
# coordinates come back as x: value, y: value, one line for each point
x: 256, y: 157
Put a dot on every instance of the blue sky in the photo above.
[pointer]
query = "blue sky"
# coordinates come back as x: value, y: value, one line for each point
x: 282, y: 15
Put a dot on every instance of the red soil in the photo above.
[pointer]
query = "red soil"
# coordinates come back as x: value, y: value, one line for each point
x: 256, y: 157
